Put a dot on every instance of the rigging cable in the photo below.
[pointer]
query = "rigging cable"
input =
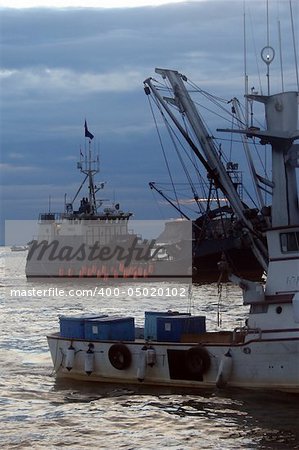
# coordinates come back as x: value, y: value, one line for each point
x: 158, y: 205
x: 195, y: 195
x: 231, y: 140
x: 213, y: 99
x: 195, y: 161
x: 253, y: 142
x: 172, y: 134
x: 163, y: 150
x: 169, y: 127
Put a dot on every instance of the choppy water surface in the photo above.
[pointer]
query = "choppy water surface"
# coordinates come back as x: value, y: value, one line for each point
x: 38, y: 412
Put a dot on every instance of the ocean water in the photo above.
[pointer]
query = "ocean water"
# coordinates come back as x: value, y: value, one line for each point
x: 36, y: 411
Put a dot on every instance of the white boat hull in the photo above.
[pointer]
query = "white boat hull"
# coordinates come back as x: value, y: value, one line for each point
x: 263, y: 364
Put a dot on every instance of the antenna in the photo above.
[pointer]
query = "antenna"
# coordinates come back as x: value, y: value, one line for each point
x: 280, y: 56
x: 268, y: 53
x: 245, y: 70
x: 294, y: 45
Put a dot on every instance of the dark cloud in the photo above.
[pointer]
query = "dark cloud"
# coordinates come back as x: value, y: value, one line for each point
x: 60, y: 66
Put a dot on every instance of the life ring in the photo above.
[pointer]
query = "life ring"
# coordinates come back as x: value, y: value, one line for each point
x: 120, y: 356
x: 198, y: 360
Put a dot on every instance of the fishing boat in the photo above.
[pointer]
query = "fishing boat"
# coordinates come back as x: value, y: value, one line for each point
x: 206, y: 186
x: 174, y: 349
x: 93, y: 240
x: 64, y: 238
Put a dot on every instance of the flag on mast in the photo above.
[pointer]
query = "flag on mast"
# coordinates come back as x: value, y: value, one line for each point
x: 88, y: 134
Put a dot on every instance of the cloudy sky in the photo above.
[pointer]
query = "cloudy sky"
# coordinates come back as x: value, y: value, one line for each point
x: 88, y: 60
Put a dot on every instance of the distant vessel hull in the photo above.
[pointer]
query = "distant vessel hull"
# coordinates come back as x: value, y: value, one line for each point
x: 19, y: 248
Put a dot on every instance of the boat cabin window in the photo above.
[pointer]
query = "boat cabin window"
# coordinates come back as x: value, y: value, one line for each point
x: 289, y: 242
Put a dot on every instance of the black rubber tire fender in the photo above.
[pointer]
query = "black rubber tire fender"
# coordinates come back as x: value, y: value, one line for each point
x: 120, y: 356
x: 198, y: 360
